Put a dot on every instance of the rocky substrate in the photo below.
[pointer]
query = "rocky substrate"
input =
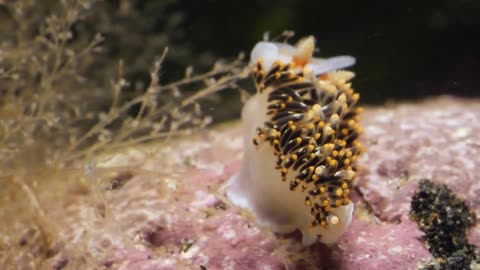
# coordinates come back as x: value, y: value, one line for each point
x: 161, y: 206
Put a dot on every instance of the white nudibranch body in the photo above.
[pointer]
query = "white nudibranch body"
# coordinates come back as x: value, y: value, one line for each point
x: 301, y: 130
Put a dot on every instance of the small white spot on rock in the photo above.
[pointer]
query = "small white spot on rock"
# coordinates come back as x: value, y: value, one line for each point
x: 190, y: 252
x: 395, y: 250
x: 360, y: 240
x: 203, y: 199
x: 363, y: 257
x: 384, y: 117
x: 374, y: 131
x: 440, y: 113
x: 461, y: 133
x: 171, y: 183
x: 167, y: 262
x: 226, y: 232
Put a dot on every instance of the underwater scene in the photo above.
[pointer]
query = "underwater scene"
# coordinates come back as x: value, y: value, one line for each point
x: 238, y: 135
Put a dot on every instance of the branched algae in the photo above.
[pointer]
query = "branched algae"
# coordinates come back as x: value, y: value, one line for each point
x: 67, y: 96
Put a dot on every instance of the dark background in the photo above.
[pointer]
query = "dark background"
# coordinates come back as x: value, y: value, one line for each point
x: 405, y: 49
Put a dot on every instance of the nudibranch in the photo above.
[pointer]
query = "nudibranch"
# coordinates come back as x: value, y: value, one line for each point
x: 301, y: 133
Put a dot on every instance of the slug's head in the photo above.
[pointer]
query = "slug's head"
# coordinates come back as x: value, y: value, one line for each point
x: 301, y: 131
x: 298, y: 56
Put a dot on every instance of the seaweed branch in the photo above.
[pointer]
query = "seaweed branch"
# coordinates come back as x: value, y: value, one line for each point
x: 46, y: 227
x: 52, y: 102
x: 66, y: 98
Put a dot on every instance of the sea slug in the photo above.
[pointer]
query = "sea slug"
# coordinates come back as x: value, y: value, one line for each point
x: 301, y: 142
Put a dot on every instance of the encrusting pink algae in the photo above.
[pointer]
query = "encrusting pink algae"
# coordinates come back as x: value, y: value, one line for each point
x: 169, y: 214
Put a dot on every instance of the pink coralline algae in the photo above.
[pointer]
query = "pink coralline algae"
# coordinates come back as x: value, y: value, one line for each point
x: 171, y: 213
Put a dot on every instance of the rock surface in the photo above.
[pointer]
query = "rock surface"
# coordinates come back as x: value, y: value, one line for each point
x: 162, y: 207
